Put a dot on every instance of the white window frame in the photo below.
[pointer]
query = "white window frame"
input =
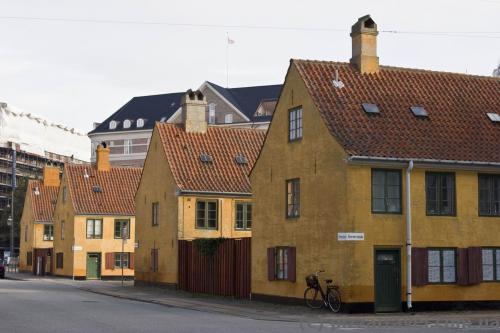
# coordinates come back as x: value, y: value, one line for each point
x: 140, y: 123
x: 211, y: 113
x: 112, y: 124
x: 127, y: 146
x: 127, y: 123
x: 228, y: 118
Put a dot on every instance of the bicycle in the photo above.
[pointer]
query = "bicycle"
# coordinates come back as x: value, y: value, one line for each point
x: 330, y: 300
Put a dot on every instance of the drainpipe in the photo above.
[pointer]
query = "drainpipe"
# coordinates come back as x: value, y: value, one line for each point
x: 408, y: 235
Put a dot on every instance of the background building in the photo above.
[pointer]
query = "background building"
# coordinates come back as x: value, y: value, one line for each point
x: 127, y: 132
x: 37, y: 143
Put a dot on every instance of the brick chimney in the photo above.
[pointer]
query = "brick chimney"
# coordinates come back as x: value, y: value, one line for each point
x: 364, y: 45
x: 102, y: 159
x: 194, y: 106
x: 51, y: 176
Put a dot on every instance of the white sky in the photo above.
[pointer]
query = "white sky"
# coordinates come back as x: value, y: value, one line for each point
x: 78, y: 73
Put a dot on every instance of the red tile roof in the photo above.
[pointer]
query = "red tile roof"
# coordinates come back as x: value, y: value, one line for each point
x: 223, y: 174
x: 457, y: 127
x: 116, y: 189
x: 43, y: 199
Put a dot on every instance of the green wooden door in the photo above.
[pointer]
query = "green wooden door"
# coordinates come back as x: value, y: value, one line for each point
x: 93, y: 266
x: 387, y: 280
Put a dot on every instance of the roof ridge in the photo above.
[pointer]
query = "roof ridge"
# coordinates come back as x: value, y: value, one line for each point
x: 396, y: 68
x: 218, y: 127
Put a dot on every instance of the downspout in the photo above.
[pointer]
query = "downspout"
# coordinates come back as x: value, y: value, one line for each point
x: 408, y: 235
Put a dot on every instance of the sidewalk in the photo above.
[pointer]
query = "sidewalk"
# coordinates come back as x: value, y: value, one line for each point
x: 268, y: 311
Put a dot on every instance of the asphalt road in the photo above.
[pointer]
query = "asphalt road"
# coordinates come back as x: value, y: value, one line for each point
x: 44, y: 306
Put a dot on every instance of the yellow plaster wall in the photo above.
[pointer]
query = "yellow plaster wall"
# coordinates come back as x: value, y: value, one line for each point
x: 156, y: 185
x: 319, y: 163
x: 63, y: 212
x: 108, y: 244
x: 26, y: 244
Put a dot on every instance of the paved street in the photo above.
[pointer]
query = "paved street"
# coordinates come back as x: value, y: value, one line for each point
x: 48, y: 306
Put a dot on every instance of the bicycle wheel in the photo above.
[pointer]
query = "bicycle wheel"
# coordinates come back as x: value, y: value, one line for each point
x: 312, y: 297
x: 333, y: 299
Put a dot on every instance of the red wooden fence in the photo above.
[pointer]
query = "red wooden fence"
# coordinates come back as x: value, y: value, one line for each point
x: 226, y: 273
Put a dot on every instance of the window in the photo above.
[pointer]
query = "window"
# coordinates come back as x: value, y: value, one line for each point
x: 281, y: 263
x: 489, y: 195
x: 112, y: 124
x: 59, y: 260
x: 386, y: 191
x: 228, y: 118
x: 441, y: 265
x: 243, y: 215
x: 154, y: 213
x: 127, y: 146
x: 122, y: 259
x: 295, y: 124
x: 154, y: 260
x: 48, y: 232
x: 94, y: 229
x: 62, y: 230
x: 491, y: 264
x: 126, y: 123
x: 64, y: 194
x: 211, y: 113
x: 206, y: 214
x: 440, y: 193
x: 140, y: 123
x: 293, y: 197
x: 29, y: 258
x: 26, y: 233
x: 119, y: 226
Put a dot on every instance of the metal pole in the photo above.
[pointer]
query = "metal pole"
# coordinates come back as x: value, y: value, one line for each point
x: 14, y: 185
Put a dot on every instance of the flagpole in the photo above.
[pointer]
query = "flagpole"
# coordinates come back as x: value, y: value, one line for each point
x: 227, y: 60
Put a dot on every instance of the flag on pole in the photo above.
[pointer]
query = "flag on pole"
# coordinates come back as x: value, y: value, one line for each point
x: 229, y: 40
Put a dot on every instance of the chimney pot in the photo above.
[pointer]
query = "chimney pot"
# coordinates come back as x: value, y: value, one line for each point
x: 194, y: 107
x: 364, y: 45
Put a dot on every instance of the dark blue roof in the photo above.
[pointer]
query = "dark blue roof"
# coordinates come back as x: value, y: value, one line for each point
x: 156, y: 107
x: 150, y: 108
x: 247, y: 99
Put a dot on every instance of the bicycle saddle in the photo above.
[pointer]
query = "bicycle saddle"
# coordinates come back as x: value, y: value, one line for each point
x: 328, y: 280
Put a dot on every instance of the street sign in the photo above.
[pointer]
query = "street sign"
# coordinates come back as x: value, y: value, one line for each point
x: 351, y: 236
x: 76, y: 248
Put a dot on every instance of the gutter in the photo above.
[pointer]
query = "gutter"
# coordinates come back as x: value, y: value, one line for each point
x: 219, y: 194
x: 408, y: 236
x: 423, y: 162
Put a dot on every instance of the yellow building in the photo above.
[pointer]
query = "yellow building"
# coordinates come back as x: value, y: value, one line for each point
x: 36, y: 241
x: 349, y: 146
x: 95, y: 208
x: 194, y: 185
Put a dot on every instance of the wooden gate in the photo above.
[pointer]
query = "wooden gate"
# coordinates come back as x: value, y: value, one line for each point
x: 226, y: 273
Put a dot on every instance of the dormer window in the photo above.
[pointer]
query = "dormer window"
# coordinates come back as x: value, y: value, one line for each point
x: 140, y: 123
x: 228, y: 118
x: 127, y: 123
x: 112, y: 124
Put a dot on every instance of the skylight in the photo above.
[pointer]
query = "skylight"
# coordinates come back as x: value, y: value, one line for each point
x: 370, y: 108
x: 96, y: 189
x: 206, y: 158
x: 494, y: 117
x: 419, y: 111
x: 240, y: 159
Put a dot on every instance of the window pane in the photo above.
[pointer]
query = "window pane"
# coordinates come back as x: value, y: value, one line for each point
x: 378, y: 177
x: 239, y: 216
x: 393, y: 205
x: 434, y: 274
x: 378, y: 205
x: 378, y: 191
x: 487, y: 257
x: 90, y: 228
x: 98, y: 228
x: 393, y: 178
x: 449, y: 258
x: 433, y: 258
x: 249, y: 216
x: 449, y: 274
